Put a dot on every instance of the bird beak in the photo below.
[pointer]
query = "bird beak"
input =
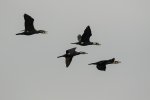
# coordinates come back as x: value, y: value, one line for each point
x: 85, y: 53
x: 95, y: 43
x: 98, y: 44
x: 46, y: 32
x: 43, y: 31
x: 116, y: 62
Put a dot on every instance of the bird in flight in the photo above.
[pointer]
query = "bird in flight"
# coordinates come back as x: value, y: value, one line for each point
x: 101, y: 65
x: 70, y: 53
x: 29, y: 26
x: 84, y: 40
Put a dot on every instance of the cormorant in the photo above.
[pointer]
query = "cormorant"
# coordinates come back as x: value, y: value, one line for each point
x: 29, y: 27
x: 101, y: 65
x: 70, y: 53
x: 84, y: 40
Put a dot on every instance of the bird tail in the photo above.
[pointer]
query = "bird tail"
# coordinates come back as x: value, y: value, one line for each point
x: 60, y: 56
x: 20, y: 34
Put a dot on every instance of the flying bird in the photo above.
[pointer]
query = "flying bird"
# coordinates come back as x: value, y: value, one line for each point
x: 101, y: 65
x: 29, y: 27
x: 70, y: 53
x: 84, y: 40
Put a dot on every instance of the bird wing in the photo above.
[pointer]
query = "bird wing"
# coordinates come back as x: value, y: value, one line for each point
x: 101, y: 67
x: 71, y: 51
x: 29, y: 23
x: 68, y: 61
x: 86, y: 35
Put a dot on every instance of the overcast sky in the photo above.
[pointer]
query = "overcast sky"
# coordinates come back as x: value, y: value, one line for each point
x: 30, y: 70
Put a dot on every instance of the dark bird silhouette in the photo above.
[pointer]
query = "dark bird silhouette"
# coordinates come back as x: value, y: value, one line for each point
x: 101, y: 65
x: 29, y: 27
x: 70, y: 53
x: 84, y: 40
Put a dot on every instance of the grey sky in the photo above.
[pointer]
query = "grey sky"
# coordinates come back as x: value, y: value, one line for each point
x: 30, y: 70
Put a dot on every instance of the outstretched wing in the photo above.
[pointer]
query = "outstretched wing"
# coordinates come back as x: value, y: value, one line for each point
x: 68, y: 61
x: 86, y: 35
x: 29, y: 23
x: 101, y: 67
x: 71, y: 51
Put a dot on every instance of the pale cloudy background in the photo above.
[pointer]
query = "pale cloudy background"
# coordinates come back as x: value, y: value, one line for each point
x: 30, y: 70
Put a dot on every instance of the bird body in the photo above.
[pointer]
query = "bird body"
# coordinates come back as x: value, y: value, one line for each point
x: 86, y: 43
x: 101, y: 65
x: 84, y: 40
x: 70, y: 53
x: 29, y: 26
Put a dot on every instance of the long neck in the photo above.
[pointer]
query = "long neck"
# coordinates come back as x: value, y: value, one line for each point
x: 92, y: 64
x: 110, y: 61
x: 78, y: 53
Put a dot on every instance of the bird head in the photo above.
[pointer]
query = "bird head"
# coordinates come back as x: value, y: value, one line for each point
x: 82, y: 52
x: 116, y: 62
x: 42, y: 31
x: 96, y: 43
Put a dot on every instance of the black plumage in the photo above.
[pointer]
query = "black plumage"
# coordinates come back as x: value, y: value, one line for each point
x: 70, y: 53
x: 29, y: 26
x: 101, y: 65
x: 84, y: 40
